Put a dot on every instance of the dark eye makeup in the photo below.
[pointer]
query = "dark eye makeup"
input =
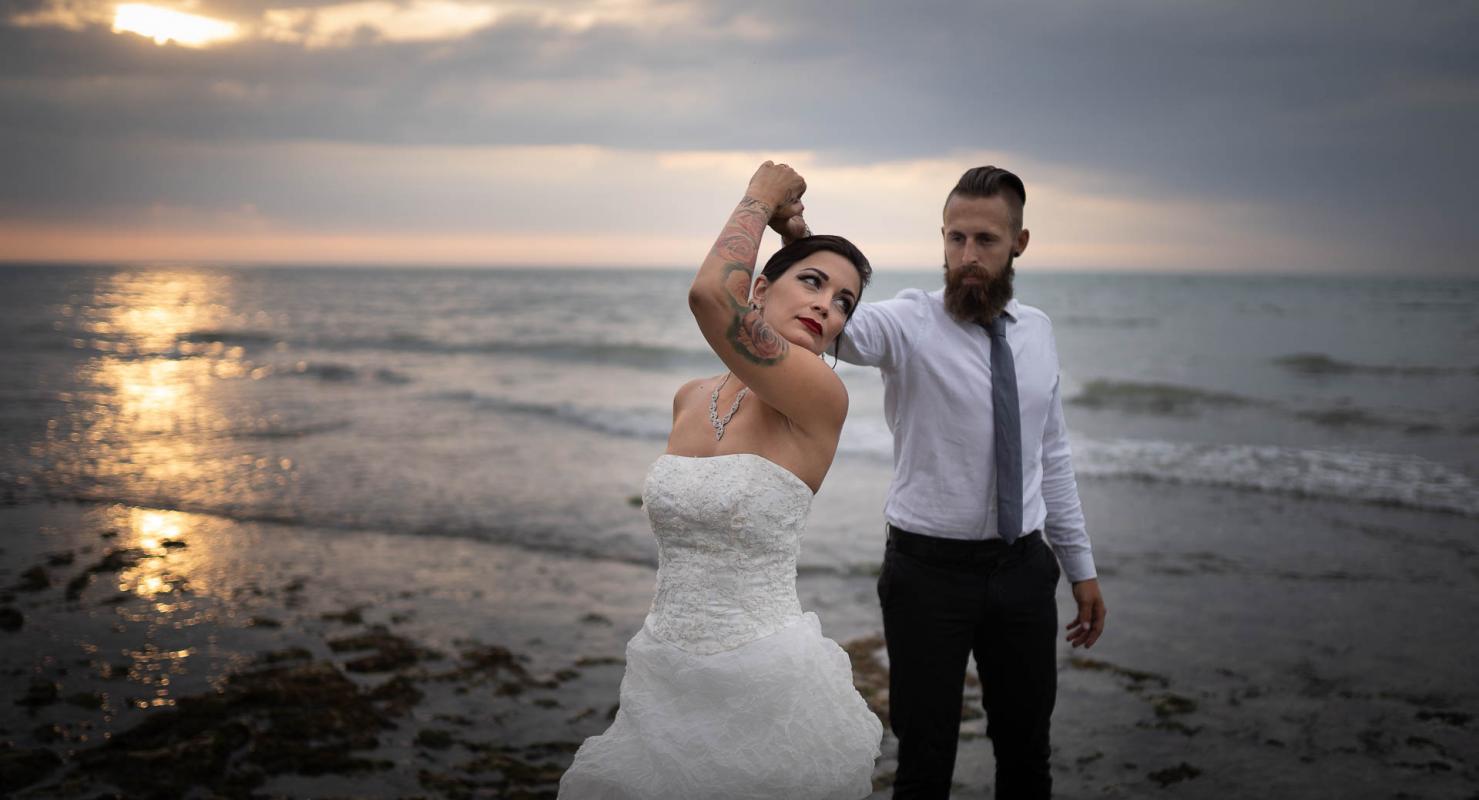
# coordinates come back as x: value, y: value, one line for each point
x: 815, y: 278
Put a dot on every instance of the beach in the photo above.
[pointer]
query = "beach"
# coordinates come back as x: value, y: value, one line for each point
x: 378, y: 534
x: 1237, y: 664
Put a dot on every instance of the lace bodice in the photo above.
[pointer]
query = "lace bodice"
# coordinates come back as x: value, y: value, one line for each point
x: 728, y: 533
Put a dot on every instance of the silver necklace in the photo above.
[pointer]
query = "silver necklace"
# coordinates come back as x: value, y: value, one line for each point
x: 714, y: 407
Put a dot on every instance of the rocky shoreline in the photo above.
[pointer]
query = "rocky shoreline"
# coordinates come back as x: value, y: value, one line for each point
x: 242, y: 687
x: 153, y: 653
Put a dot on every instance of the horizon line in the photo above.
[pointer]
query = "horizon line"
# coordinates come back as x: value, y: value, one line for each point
x: 574, y: 267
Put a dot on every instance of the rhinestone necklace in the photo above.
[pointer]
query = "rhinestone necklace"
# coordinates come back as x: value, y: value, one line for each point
x: 714, y: 407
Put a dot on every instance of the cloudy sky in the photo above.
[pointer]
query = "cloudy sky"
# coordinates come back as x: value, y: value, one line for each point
x: 1252, y: 136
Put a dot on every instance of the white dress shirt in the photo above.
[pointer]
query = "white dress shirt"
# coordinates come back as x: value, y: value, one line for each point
x: 937, y: 399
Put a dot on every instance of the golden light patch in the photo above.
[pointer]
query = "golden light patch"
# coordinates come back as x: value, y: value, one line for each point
x: 167, y: 25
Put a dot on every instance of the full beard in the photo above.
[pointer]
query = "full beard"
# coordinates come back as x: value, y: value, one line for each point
x: 978, y: 303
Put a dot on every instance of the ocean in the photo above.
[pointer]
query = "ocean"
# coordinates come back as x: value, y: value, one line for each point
x: 522, y: 406
x: 218, y: 480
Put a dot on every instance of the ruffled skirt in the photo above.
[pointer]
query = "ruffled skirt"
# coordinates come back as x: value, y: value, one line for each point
x: 774, y: 718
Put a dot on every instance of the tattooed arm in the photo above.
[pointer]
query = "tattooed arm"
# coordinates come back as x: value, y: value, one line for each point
x: 791, y: 379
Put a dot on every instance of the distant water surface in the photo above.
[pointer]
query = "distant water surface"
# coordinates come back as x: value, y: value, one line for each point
x: 524, y: 405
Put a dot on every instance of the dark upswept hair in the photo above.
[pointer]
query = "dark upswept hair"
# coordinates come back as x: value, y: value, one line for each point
x: 991, y: 181
x: 787, y: 256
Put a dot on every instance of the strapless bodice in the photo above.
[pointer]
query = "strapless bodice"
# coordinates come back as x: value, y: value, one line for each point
x: 728, y: 533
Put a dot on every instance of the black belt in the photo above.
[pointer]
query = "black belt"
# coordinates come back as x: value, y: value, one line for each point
x: 938, y: 547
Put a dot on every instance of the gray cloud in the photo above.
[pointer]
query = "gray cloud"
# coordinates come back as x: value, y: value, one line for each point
x: 1354, y: 123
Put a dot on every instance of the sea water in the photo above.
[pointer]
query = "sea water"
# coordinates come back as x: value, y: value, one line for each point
x: 523, y: 406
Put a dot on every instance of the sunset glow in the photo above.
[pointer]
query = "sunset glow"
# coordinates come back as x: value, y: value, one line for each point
x: 166, y: 25
x: 616, y: 132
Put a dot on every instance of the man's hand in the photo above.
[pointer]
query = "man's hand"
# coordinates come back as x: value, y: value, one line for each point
x: 776, y: 185
x: 788, y: 222
x: 1085, y: 629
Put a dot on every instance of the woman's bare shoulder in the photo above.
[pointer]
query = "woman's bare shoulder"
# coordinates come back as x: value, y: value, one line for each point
x: 692, y: 389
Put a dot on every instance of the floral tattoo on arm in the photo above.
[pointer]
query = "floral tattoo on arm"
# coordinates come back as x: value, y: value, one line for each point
x: 738, y: 245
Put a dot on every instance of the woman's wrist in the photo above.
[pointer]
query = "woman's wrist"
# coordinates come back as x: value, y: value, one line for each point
x: 760, y: 201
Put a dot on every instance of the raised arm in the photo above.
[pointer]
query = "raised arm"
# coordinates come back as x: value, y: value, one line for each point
x: 792, y: 380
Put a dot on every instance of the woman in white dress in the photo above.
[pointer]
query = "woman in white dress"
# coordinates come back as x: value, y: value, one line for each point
x: 730, y: 689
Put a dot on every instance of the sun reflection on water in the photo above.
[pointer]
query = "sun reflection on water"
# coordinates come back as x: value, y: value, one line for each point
x: 165, y: 556
x: 147, y: 423
x: 176, y: 568
x: 158, y: 409
x: 155, y: 527
x: 153, y: 410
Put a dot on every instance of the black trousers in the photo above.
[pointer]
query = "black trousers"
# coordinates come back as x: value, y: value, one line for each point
x: 943, y: 600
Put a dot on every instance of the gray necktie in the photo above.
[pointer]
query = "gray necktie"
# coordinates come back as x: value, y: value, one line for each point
x: 1008, y: 433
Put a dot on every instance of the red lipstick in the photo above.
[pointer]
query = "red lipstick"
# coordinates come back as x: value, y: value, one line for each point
x: 813, y: 325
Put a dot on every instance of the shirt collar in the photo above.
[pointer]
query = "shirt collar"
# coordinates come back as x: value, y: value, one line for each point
x: 1012, y: 309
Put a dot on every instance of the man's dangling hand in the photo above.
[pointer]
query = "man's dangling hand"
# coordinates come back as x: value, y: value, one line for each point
x: 1086, y: 627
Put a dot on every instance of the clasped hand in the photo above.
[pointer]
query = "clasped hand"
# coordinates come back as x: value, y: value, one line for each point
x: 781, y: 187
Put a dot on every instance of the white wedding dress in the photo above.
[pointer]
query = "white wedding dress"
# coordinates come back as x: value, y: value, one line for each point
x: 730, y: 690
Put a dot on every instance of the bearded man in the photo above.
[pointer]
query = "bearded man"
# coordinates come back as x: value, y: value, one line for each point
x: 981, y: 474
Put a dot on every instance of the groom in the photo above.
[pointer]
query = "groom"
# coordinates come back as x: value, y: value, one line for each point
x: 981, y: 474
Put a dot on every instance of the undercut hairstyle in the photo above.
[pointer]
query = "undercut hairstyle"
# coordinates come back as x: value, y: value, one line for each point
x: 991, y: 181
x: 787, y: 256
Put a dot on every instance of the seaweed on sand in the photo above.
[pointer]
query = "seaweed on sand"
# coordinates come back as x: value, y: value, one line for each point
x: 308, y: 719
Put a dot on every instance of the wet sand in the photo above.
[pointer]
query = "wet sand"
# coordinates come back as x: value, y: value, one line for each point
x: 1257, y: 646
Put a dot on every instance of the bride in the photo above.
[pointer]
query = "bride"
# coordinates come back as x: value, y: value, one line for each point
x: 730, y: 690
